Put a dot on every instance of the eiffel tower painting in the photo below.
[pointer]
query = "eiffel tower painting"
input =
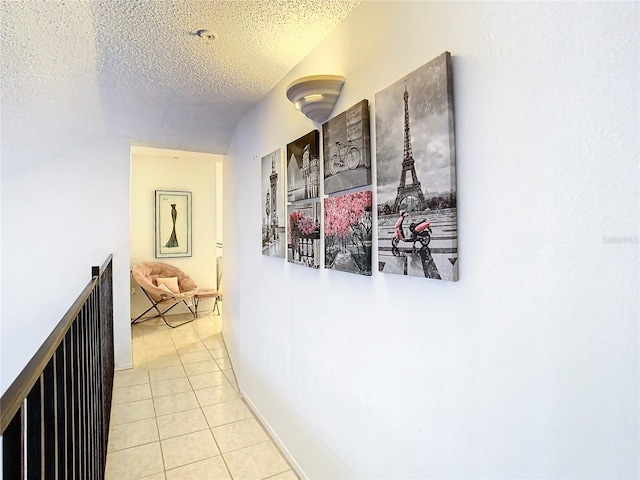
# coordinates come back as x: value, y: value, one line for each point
x: 405, y: 189
x: 416, y: 174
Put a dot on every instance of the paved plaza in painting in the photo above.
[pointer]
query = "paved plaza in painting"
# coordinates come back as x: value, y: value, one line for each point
x: 275, y: 248
x: 434, y: 262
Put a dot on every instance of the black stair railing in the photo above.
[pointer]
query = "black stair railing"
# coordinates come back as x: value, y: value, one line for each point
x: 54, y: 418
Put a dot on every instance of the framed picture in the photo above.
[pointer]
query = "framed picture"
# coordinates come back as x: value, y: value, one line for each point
x: 273, y: 208
x: 347, y: 233
x: 303, y: 167
x: 416, y: 174
x: 347, y: 151
x: 304, y: 234
x: 173, y: 224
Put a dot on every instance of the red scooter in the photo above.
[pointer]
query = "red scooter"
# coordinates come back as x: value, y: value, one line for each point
x: 420, y: 234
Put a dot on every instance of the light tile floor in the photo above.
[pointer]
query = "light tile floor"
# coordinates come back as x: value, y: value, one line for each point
x: 178, y: 413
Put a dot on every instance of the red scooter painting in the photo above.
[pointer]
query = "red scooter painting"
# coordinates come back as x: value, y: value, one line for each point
x: 420, y: 234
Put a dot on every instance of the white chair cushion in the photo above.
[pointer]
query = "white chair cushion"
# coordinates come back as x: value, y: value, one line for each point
x: 171, y: 283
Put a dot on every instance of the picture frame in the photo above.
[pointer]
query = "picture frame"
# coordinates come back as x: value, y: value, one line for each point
x: 346, y: 149
x: 303, y: 167
x: 348, y: 228
x: 415, y: 142
x: 172, y: 224
x: 274, y: 217
x: 303, y: 245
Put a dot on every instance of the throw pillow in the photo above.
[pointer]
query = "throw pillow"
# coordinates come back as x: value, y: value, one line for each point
x: 165, y: 289
x: 170, y: 282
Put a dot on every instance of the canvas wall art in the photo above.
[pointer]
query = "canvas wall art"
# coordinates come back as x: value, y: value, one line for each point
x: 347, y: 233
x: 172, y: 224
x: 346, y: 149
x: 273, y: 206
x: 304, y: 234
x: 416, y: 174
x: 303, y: 167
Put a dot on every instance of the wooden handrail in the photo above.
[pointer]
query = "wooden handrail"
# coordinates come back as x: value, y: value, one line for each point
x: 98, y: 271
x: 18, y: 390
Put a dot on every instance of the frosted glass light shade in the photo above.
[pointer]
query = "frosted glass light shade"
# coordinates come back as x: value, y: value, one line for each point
x: 316, y: 96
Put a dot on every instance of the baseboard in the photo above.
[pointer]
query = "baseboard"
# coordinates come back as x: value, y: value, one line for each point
x: 283, y: 449
x: 117, y: 368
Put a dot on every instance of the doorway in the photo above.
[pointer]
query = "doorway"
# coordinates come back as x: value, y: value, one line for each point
x: 199, y: 175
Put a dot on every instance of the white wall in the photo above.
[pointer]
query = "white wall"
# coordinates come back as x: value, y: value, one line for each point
x: 156, y: 169
x: 65, y: 182
x: 526, y: 367
x: 59, y: 218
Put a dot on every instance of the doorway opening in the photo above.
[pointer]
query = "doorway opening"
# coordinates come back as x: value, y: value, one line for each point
x: 194, y: 181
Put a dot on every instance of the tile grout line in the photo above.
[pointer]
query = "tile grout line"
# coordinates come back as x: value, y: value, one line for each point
x: 224, y: 460
x: 202, y: 411
x: 227, y: 374
x: 192, y: 390
x: 153, y: 405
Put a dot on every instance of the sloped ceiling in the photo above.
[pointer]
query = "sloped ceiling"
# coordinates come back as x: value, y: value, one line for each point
x: 75, y: 71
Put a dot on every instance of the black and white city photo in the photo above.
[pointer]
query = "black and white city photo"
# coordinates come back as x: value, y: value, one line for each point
x: 416, y: 174
x: 346, y: 149
x: 273, y: 208
x: 303, y: 167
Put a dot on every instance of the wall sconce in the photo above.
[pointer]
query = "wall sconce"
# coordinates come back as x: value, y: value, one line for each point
x: 316, y: 96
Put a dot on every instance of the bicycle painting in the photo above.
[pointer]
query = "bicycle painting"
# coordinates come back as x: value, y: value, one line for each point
x: 350, y: 159
x: 347, y: 153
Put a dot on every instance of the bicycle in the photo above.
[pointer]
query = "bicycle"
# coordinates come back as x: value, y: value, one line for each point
x: 351, y: 157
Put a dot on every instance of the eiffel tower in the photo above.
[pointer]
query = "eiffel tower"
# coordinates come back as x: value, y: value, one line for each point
x: 408, y: 165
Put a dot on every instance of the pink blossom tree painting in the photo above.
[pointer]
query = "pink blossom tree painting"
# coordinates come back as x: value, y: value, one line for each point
x: 304, y: 234
x: 347, y: 232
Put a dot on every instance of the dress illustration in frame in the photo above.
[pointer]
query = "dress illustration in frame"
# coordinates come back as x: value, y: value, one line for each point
x: 347, y: 232
x: 273, y: 208
x: 172, y: 224
x: 346, y: 149
x: 416, y: 174
x: 303, y: 167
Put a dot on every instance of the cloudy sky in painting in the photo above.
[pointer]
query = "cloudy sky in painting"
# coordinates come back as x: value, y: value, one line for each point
x: 429, y: 115
x: 266, y: 182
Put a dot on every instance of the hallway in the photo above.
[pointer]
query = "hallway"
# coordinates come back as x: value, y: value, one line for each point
x: 178, y: 413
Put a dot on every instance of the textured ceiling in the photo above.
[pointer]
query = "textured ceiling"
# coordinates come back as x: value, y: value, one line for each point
x: 76, y: 71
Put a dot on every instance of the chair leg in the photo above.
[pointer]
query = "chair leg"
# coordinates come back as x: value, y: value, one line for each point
x: 195, y: 315
x: 161, y: 314
x: 216, y: 308
x: 179, y: 324
x: 136, y: 320
x: 154, y: 304
x: 182, y: 323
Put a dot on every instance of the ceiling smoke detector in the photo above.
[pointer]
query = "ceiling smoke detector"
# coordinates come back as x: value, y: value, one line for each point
x: 206, y: 35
